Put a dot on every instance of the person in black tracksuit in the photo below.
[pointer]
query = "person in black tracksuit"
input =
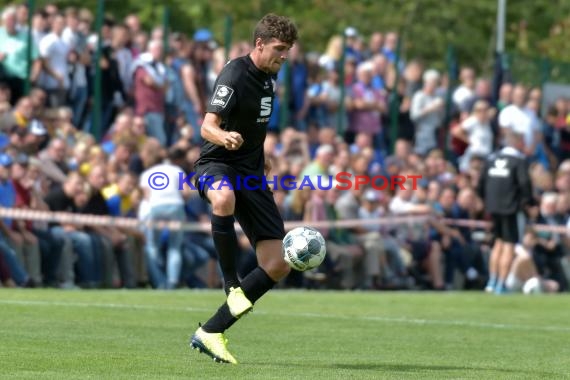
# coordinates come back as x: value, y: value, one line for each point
x: 506, y: 189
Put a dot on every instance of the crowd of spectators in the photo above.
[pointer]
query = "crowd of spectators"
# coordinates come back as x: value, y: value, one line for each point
x: 152, y: 105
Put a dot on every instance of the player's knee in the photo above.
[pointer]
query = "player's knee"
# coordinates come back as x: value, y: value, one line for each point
x: 223, y: 201
x: 277, y: 269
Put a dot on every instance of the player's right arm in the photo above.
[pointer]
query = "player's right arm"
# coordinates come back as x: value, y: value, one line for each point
x: 220, y: 106
x: 212, y: 132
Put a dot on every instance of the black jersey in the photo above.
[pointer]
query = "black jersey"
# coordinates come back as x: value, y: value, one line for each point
x: 505, y: 184
x: 243, y: 97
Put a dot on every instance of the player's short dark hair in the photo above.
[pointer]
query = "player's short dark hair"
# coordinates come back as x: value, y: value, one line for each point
x: 274, y: 26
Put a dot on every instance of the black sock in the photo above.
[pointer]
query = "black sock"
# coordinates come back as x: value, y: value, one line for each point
x: 254, y: 285
x: 221, y: 321
x: 225, y: 240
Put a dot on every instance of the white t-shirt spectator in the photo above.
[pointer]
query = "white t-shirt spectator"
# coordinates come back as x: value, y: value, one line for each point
x: 54, y: 49
x: 461, y: 97
x: 162, y: 175
x: 70, y: 37
x: 480, y: 135
x: 521, y: 121
x: 406, y: 231
x: 400, y: 206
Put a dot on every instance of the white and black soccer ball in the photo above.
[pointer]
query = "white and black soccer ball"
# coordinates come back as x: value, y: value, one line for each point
x: 304, y: 248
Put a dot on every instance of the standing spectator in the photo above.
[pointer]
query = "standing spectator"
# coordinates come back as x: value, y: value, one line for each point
x: 54, y: 53
x: 476, y: 132
x: 368, y: 104
x: 390, y: 46
x: 150, y: 85
x: 124, y: 56
x: 427, y: 113
x: 13, y: 54
x: 375, y: 44
x: 166, y: 204
x: 297, y: 79
x: 191, y: 104
x: 78, y: 59
x: 515, y: 117
x: 39, y: 27
x: 466, y: 90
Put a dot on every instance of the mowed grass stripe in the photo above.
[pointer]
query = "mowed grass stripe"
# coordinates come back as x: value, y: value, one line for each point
x: 48, y: 334
x: 403, y: 320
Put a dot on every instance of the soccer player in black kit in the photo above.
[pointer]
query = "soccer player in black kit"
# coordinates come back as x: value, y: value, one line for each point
x: 234, y: 130
x: 506, y: 189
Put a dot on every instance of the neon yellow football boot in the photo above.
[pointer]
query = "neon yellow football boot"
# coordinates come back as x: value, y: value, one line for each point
x: 238, y: 302
x: 213, y: 345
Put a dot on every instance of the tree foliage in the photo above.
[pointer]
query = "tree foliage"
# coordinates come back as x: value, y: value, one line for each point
x: 534, y: 27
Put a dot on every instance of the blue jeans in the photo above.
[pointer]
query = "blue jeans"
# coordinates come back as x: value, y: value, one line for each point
x: 155, y: 126
x: 17, y: 271
x: 83, y: 248
x: 155, y: 262
x: 51, y: 247
x: 78, y: 97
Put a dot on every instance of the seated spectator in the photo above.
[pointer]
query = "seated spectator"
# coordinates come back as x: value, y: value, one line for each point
x: 64, y: 199
x: 29, y: 194
x: 523, y: 268
x: 199, y: 249
x: 54, y: 162
x: 344, y: 254
x: 549, y: 249
x: 426, y: 254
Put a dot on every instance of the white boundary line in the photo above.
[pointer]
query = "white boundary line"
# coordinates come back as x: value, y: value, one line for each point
x: 403, y: 320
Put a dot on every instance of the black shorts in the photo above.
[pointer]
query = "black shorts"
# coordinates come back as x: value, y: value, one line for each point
x: 505, y: 227
x: 255, y: 208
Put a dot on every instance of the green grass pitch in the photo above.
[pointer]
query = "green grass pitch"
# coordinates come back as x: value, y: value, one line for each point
x: 51, y: 334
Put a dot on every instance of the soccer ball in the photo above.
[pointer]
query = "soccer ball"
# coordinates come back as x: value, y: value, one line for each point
x: 304, y: 248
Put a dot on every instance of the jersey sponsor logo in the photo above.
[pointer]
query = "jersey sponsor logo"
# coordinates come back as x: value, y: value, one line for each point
x: 500, y: 169
x: 265, y: 106
x: 222, y: 95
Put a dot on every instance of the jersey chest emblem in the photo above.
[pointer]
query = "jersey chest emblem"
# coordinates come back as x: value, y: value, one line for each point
x: 265, y: 106
x: 265, y: 109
